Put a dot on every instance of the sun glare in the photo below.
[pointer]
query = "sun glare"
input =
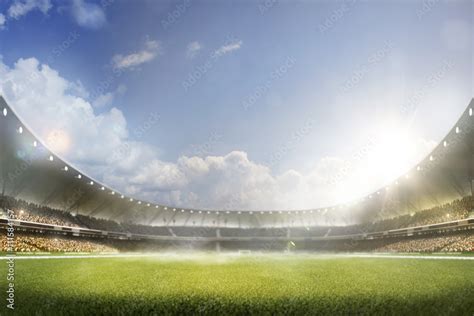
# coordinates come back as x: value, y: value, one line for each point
x: 58, y: 141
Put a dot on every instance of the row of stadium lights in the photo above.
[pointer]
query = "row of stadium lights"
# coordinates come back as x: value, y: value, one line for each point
x: 102, y: 188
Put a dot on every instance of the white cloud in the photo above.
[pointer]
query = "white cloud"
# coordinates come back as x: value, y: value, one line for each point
x: 100, y: 144
x: 88, y: 15
x: 20, y: 8
x: 2, y: 21
x: 151, y: 50
x: 225, y: 49
x: 193, y: 49
x: 107, y: 99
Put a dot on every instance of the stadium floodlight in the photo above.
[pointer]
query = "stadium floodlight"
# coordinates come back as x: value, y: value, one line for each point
x: 227, y: 212
x: 102, y: 188
x: 239, y: 212
x: 113, y: 193
x: 261, y: 212
x: 91, y: 183
x: 191, y: 211
x: 156, y: 206
x: 51, y: 158
x: 418, y: 168
x: 79, y: 176
x: 431, y: 158
x: 457, y: 129
x: 20, y: 130
x: 208, y: 212
x: 139, y: 202
x: 182, y: 211
x: 5, y: 112
x: 131, y: 200
x: 200, y: 212
x: 250, y: 212
x: 122, y: 197
x: 470, y: 112
x: 66, y: 168
x: 174, y: 210
x: 35, y: 144
x: 166, y: 208
x: 445, y: 144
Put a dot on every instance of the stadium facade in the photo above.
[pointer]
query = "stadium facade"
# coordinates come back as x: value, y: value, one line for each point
x: 30, y: 171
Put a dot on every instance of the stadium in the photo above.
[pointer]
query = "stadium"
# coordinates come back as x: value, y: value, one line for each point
x: 82, y: 235
x: 56, y: 211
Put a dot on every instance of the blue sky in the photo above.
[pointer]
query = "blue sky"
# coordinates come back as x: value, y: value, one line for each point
x: 288, y: 92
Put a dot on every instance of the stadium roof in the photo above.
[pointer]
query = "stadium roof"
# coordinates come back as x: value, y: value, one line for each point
x: 30, y: 171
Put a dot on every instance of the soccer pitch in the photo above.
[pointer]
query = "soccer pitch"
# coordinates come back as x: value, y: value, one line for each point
x: 228, y: 284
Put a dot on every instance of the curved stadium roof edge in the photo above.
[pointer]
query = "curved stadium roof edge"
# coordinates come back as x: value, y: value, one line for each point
x: 444, y: 175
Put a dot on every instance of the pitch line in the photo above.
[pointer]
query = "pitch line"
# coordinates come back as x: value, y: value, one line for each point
x: 321, y: 256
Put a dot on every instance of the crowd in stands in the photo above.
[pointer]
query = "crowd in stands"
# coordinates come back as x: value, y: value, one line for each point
x: 453, y: 243
x: 39, y: 214
x: 456, y: 210
x: 33, y: 243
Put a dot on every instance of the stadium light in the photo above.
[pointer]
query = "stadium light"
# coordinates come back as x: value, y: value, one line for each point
x: 445, y: 144
x: 122, y: 196
x: 131, y: 200
x: 20, y: 130
x: 51, y: 158
x: 139, y: 202
x: 79, y: 176
x: 166, y: 208
x: 66, y: 168
x: 470, y: 112
x: 5, y: 112
x: 457, y: 130
x: 102, y: 188
x: 35, y: 144
x: 91, y: 183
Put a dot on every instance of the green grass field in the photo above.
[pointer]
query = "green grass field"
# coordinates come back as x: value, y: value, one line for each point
x: 247, y: 284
